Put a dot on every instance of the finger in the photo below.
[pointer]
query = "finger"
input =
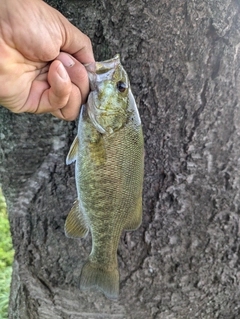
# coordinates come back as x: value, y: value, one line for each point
x: 79, y: 89
x: 77, y: 73
x: 85, y: 54
x: 71, y: 110
x: 75, y: 42
x: 48, y: 96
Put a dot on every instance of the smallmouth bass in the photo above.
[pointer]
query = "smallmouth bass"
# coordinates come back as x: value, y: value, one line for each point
x: 108, y: 151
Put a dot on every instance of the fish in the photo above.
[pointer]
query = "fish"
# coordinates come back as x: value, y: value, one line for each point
x: 109, y: 165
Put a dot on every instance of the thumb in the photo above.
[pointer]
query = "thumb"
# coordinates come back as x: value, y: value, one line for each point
x: 48, y: 95
x: 77, y: 73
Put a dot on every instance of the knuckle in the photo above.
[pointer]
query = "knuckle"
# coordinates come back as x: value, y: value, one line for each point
x: 87, y: 43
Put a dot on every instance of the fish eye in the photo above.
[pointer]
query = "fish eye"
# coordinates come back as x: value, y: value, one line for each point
x: 121, y: 86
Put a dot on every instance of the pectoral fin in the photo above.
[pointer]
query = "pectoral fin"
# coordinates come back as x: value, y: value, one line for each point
x: 72, y: 154
x: 75, y: 225
x: 135, y: 219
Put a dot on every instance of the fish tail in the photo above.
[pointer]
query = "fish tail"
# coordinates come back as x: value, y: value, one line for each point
x: 104, y: 280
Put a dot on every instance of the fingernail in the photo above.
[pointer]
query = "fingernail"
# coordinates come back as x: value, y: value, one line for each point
x: 67, y: 60
x: 62, y: 72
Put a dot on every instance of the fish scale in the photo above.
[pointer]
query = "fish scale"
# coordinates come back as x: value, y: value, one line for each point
x: 108, y: 151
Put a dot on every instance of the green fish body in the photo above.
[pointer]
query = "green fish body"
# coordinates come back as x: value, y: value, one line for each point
x: 108, y: 151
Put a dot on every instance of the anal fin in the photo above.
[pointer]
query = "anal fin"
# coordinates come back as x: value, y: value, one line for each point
x: 75, y: 225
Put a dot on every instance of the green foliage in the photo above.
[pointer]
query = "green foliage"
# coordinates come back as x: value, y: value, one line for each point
x: 5, y: 280
x: 6, y: 258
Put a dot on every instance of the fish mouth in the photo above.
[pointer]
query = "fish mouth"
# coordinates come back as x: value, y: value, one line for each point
x: 101, y: 71
x: 97, y: 73
x: 104, y: 66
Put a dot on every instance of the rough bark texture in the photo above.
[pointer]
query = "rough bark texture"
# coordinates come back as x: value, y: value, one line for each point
x: 183, y: 61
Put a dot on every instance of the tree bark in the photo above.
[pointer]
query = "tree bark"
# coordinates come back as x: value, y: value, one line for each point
x: 183, y: 61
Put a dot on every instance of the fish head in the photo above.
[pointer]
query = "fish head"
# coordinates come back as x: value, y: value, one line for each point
x: 108, y: 99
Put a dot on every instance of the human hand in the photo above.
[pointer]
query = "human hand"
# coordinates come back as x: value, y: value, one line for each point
x: 41, y: 60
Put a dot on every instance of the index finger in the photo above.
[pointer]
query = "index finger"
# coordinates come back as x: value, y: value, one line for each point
x: 76, y: 43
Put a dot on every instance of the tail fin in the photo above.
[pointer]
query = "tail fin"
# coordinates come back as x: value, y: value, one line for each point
x: 103, y: 280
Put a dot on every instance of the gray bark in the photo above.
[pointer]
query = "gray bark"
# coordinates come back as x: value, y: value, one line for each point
x: 183, y: 60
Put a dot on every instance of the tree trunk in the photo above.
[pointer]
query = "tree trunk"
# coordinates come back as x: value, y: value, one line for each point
x: 183, y: 61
